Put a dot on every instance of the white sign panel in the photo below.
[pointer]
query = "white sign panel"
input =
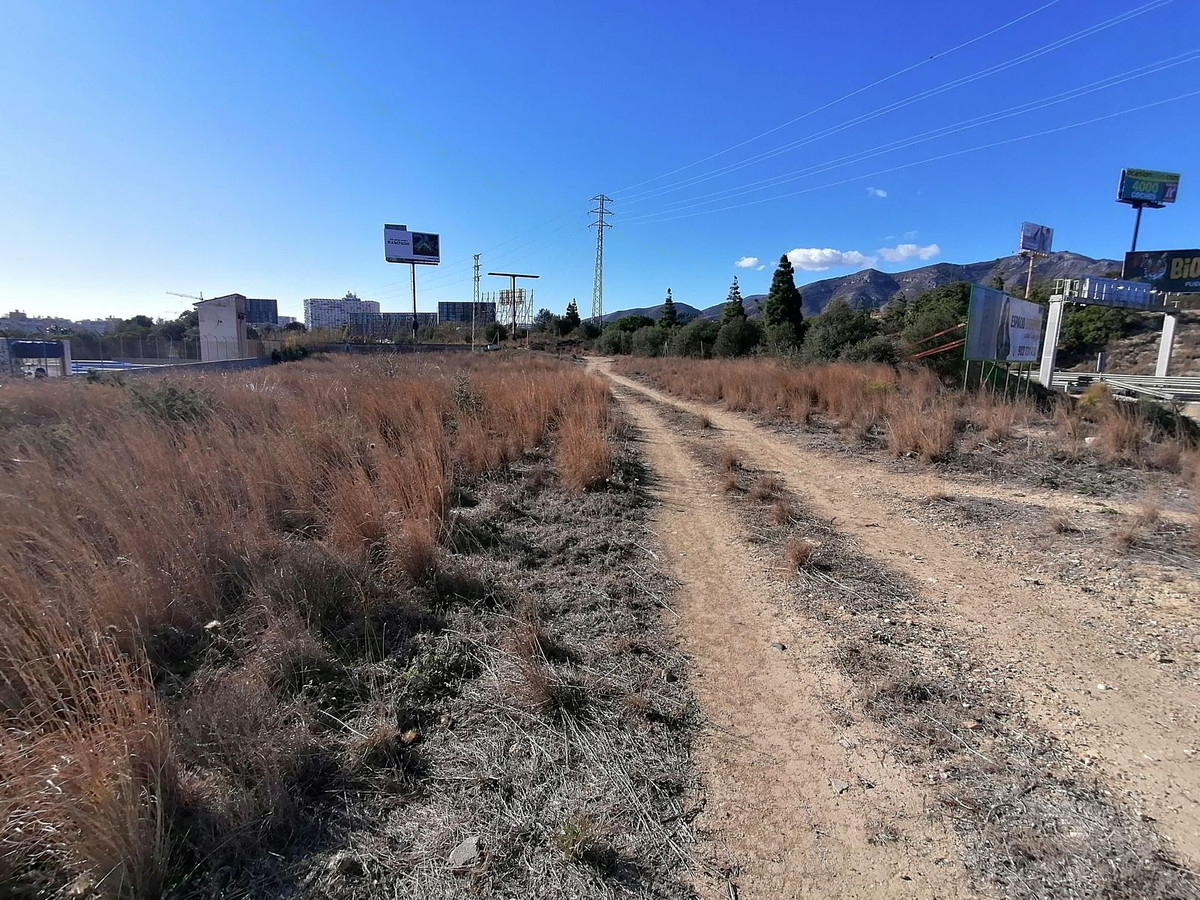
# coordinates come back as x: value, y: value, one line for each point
x: 1001, y: 328
x: 1036, y: 238
x: 403, y: 246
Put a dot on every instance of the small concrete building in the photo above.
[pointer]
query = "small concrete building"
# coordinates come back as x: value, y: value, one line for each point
x: 223, y: 328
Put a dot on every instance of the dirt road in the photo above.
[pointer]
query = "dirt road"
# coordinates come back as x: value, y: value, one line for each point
x: 798, y: 805
x: 1127, y: 714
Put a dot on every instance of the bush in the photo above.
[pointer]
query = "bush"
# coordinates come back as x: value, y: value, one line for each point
x: 878, y: 349
x: 646, y: 341
x: 738, y: 337
x: 696, y: 339
x: 289, y: 354
x: 836, y: 329
x: 614, y: 341
x: 172, y: 402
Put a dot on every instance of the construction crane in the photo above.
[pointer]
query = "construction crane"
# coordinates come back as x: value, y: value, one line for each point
x: 189, y: 296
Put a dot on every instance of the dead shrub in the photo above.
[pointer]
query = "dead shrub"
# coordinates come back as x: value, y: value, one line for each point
x: 729, y: 482
x: 730, y: 460
x: 1061, y: 524
x: 1120, y: 433
x: 782, y: 511
x: 800, y: 554
x: 703, y: 421
x: 766, y: 487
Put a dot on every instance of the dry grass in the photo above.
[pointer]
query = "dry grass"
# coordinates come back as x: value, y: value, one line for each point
x: 766, y: 487
x: 703, y: 421
x: 913, y: 414
x: 800, y: 554
x: 729, y: 482
x: 730, y: 460
x: 290, y: 511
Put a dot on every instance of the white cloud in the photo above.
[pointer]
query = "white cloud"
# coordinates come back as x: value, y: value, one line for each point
x: 902, y: 252
x: 876, y: 192
x: 814, y: 259
x: 760, y: 268
x: 747, y: 262
x: 909, y: 235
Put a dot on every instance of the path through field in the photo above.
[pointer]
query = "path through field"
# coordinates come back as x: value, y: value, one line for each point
x: 775, y: 748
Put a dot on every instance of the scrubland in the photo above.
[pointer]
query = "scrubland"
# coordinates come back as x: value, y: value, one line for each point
x: 912, y: 413
x: 217, y: 593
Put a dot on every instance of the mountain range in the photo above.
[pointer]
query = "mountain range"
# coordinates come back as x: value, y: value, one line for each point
x: 871, y: 289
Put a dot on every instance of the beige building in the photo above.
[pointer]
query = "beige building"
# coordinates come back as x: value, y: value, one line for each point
x: 223, y: 328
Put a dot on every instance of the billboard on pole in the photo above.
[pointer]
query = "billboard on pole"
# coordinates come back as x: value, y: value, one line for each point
x: 1169, y: 271
x: 1001, y: 328
x: 1148, y: 187
x: 403, y: 246
x: 1036, y: 238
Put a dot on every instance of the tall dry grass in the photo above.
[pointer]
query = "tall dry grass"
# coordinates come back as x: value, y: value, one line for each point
x: 914, y: 413
x: 289, y: 514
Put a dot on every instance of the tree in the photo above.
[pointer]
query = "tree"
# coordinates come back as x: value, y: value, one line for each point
x: 545, y: 321
x: 494, y: 332
x: 836, y: 330
x: 630, y: 323
x: 295, y: 326
x: 695, y: 339
x: 571, y: 319
x: 670, y: 316
x: 647, y: 341
x: 784, y: 305
x: 737, y: 337
x: 935, y: 311
x: 734, y: 308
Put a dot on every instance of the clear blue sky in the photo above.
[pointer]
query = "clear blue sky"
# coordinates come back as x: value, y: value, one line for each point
x: 259, y: 147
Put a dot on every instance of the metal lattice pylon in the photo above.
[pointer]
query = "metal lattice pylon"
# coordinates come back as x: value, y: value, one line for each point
x: 598, y: 282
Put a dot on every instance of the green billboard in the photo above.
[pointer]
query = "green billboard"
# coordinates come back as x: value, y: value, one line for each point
x: 1148, y: 187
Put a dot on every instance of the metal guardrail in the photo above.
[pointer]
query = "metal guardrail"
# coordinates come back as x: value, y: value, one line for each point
x: 1172, y: 389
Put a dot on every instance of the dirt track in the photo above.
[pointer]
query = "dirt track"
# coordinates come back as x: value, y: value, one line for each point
x: 1140, y: 729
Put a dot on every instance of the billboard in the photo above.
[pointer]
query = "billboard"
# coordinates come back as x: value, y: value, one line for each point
x: 1001, y: 328
x: 403, y: 246
x: 1169, y: 271
x: 1036, y: 238
x: 1147, y: 186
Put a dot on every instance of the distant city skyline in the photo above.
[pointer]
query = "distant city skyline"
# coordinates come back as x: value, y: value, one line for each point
x: 229, y: 147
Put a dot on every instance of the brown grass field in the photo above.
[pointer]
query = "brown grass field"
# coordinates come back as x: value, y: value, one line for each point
x: 181, y: 561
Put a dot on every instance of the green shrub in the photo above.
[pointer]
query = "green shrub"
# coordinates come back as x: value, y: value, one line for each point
x: 172, y: 402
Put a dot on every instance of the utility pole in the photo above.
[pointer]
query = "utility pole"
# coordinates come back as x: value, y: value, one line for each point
x: 600, y: 212
x: 475, y: 301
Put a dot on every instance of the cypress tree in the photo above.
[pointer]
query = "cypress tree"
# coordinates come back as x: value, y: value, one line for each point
x: 784, y: 302
x: 571, y: 318
x: 670, y: 316
x: 734, y: 309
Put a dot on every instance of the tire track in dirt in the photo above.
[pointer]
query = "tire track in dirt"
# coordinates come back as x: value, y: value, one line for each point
x: 1141, y: 729
x: 797, y: 804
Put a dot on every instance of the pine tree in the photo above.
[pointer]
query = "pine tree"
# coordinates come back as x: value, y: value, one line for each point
x: 670, y: 316
x: 734, y: 309
x: 571, y: 319
x: 784, y: 303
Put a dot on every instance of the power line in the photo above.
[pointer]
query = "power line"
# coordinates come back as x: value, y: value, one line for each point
x: 932, y: 134
x: 598, y: 279
x: 905, y: 102
x: 1123, y: 112
x: 853, y: 93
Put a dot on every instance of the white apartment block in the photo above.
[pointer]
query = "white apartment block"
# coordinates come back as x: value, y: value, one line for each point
x: 321, y: 313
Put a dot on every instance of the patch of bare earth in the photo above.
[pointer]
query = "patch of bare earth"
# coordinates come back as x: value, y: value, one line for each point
x: 1080, y: 721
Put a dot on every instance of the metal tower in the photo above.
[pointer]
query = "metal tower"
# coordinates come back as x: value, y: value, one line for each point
x: 475, y: 301
x: 598, y: 283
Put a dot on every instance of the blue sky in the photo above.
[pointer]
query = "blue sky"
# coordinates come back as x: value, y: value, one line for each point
x: 259, y: 147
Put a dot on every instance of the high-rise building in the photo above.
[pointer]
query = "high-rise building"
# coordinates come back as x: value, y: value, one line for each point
x: 322, y: 313
x: 459, y: 312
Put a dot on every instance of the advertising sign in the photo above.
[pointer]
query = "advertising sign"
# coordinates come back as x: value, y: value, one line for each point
x: 1169, y: 271
x: 1148, y: 187
x: 1036, y: 238
x: 403, y: 246
x: 1001, y: 328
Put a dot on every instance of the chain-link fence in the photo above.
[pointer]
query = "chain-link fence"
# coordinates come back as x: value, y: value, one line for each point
x: 127, y: 352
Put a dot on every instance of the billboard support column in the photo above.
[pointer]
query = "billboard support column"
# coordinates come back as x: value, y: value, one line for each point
x: 1137, y: 224
x: 1166, y: 344
x: 1050, y: 343
x: 1029, y: 278
x: 413, y: 266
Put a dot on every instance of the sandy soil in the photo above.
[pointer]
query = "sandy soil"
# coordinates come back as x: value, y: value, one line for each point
x: 1056, y: 642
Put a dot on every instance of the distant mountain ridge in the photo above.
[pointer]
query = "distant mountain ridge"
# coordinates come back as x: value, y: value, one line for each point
x: 871, y: 289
